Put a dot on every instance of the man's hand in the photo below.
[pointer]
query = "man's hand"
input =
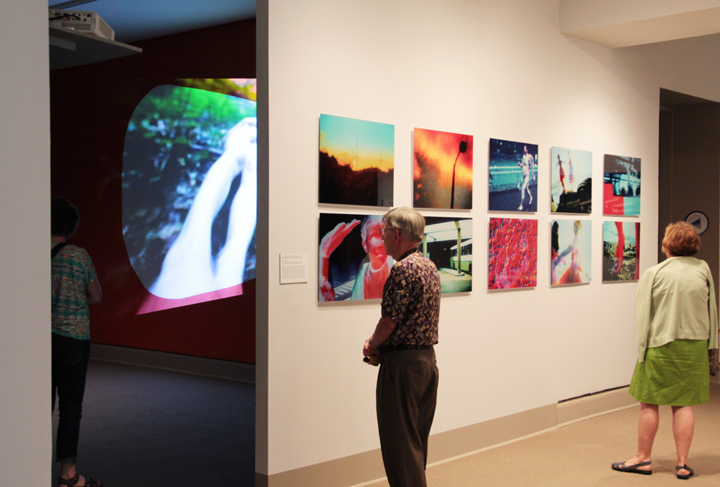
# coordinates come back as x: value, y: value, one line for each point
x: 368, y: 351
x: 371, y: 356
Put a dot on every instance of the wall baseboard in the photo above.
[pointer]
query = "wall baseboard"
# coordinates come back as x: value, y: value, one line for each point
x: 366, y: 468
x: 179, y: 363
x: 588, y: 406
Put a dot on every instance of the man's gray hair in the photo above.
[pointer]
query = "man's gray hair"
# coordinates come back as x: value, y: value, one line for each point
x: 410, y: 223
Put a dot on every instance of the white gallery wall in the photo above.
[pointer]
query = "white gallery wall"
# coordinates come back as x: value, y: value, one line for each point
x: 25, y: 420
x: 492, y: 69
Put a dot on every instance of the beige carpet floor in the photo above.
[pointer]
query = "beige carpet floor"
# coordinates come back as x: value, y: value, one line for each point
x: 580, y: 454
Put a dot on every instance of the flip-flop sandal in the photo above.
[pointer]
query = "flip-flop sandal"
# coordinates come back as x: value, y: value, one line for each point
x: 621, y: 467
x: 683, y: 476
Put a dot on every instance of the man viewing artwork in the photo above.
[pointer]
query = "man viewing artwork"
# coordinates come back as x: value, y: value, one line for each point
x: 402, y: 343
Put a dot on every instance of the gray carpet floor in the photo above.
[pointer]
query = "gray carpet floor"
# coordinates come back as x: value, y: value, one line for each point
x: 145, y: 427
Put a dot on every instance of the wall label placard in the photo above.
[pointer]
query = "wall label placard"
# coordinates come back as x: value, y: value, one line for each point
x: 293, y: 268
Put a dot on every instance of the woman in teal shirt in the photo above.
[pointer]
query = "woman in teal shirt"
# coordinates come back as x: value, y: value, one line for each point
x: 677, y: 324
x: 74, y: 285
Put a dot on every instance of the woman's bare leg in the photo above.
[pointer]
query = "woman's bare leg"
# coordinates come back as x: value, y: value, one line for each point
x: 683, y: 430
x: 647, y: 428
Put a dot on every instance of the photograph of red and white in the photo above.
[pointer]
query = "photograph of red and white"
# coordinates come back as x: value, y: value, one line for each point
x: 512, y: 253
x: 352, y: 259
x: 443, y: 170
x: 570, y: 252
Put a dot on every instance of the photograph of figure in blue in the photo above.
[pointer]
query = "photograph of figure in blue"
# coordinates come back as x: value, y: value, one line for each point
x: 448, y: 243
x: 513, y: 176
x: 189, y: 191
x: 621, y: 185
x: 352, y: 260
x: 570, y: 252
x: 570, y: 180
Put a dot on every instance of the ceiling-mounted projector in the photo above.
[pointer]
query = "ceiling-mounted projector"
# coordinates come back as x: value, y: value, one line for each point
x: 85, y: 22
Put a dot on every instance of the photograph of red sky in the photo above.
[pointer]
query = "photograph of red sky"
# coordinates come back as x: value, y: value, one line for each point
x: 442, y: 172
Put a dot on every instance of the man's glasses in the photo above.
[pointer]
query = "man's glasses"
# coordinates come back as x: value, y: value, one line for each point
x: 384, y: 230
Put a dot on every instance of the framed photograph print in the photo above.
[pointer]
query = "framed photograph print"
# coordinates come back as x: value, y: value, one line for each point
x: 513, y: 175
x: 442, y: 170
x: 356, y: 162
x: 448, y: 243
x: 351, y: 256
x: 512, y: 253
x: 621, y: 186
x: 570, y: 180
x: 621, y: 251
x: 570, y: 252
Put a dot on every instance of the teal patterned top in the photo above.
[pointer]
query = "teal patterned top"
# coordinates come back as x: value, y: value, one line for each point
x: 72, y: 273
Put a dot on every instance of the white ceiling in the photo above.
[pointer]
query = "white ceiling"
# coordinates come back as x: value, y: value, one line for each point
x: 613, y: 23
x: 625, y: 23
x: 138, y: 20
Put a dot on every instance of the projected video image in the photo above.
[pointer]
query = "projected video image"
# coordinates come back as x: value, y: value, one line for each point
x: 189, y: 191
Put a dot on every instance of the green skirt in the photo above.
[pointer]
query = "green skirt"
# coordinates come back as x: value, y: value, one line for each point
x: 676, y: 374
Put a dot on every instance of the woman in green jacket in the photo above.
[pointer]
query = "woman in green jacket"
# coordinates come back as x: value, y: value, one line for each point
x: 677, y: 324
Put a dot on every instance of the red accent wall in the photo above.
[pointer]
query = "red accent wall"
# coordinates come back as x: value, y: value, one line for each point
x: 90, y: 108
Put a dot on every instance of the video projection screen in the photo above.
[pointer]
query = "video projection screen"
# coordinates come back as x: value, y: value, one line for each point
x: 189, y: 191
x: 136, y: 160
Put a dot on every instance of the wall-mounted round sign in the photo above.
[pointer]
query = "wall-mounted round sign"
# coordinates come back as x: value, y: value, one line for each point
x: 698, y: 220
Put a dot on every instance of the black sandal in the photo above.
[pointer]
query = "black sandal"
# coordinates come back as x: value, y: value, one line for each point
x: 73, y: 481
x: 621, y: 467
x: 684, y: 467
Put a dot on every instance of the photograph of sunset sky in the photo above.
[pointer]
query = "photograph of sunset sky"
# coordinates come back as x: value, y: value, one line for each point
x: 357, y: 160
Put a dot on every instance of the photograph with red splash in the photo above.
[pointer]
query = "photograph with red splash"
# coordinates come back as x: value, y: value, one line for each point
x: 512, y: 253
x: 621, y: 251
x: 443, y: 170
